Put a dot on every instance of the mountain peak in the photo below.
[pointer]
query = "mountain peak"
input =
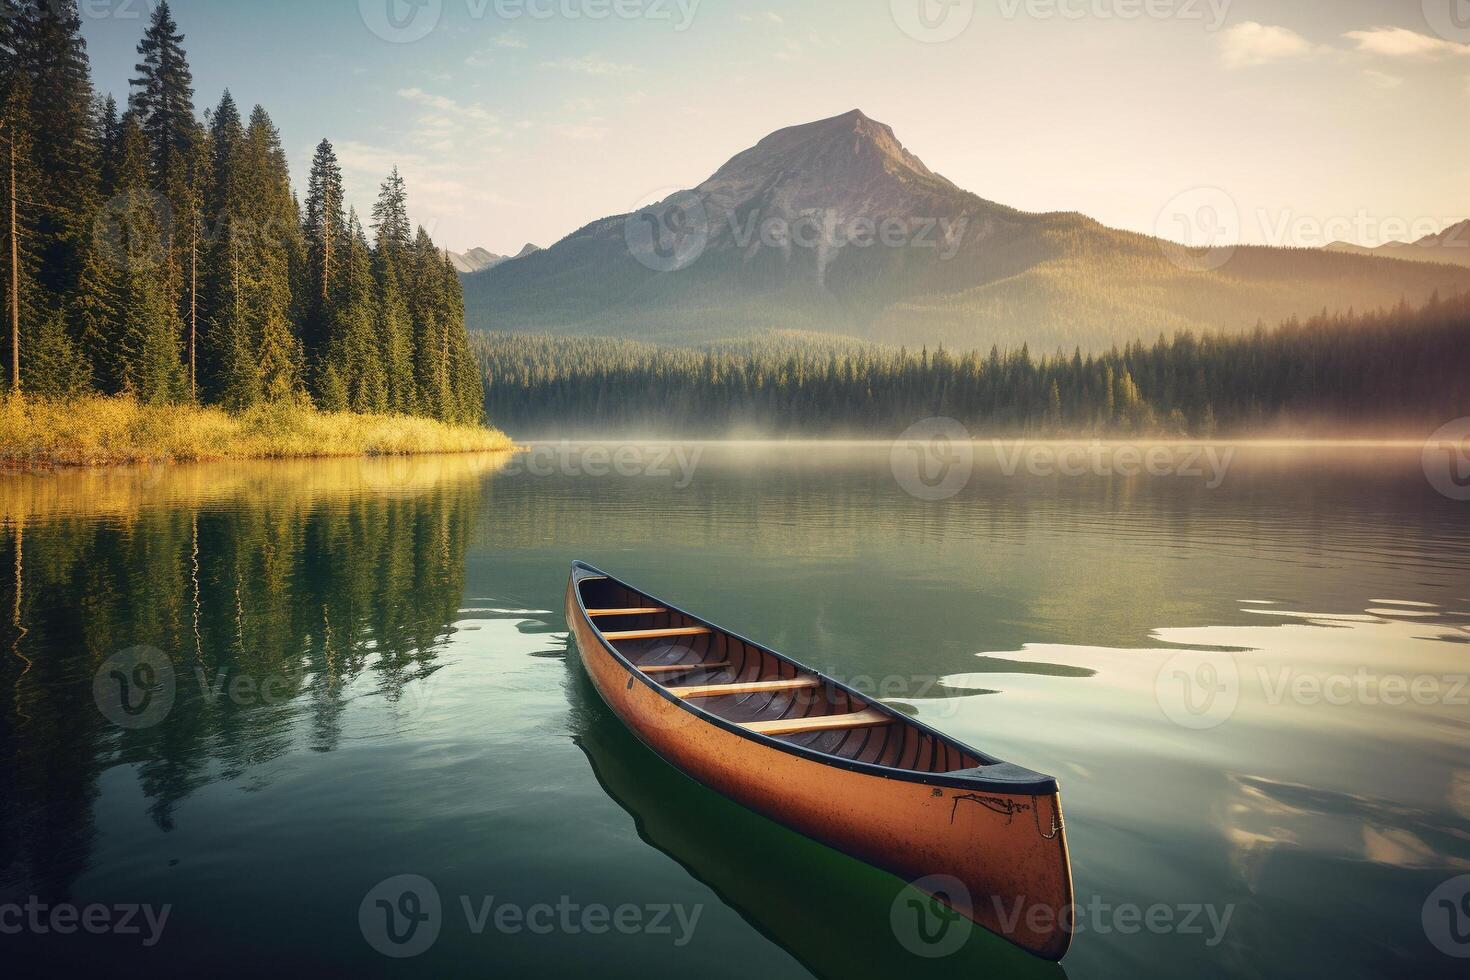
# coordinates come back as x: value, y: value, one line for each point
x: 851, y: 157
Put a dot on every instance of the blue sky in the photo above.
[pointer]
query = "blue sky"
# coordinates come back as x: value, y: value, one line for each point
x: 521, y: 120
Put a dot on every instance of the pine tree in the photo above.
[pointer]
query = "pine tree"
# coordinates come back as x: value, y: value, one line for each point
x: 390, y: 222
x: 220, y: 336
x: 353, y: 364
x: 163, y: 97
x: 19, y: 277
x: 429, y: 312
x: 467, y: 388
x: 326, y: 236
x: 52, y: 56
x: 264, y: 229
x: 151, y: 368
x: 394, y: 330
x: 53, y: 366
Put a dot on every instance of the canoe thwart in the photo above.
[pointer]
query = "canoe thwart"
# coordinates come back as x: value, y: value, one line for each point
x: 870, y: 718
x: 648, y: 610
x: 680, y: 668
x: 660, y: 633
x: 745, y: 687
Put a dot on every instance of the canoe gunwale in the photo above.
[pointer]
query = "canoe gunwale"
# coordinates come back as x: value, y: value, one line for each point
x: 995, y: 775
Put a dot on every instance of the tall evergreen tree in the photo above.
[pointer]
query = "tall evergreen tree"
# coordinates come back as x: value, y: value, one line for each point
x: 151, y: 368
x: 326, y: 241
x: 265, y: 223
x: 222, y: 341
x: 353, y: 375
x: 392, y: 262
x: 53, y: 57
x: 394, y: 234
x: 394, y: 329
x: 430, y: 314
x: 20, y: 274
x: 163, y: 97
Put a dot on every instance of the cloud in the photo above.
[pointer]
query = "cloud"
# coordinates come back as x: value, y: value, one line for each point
x: 1383, y: 79
x: 580, y: 133
x: 438, y: 187
x: 1248, y: 44
x: 1400, y: 42
x: 446, y: 107
x: 507, y: 41
x: 790, y: 50
x: 591, y: 64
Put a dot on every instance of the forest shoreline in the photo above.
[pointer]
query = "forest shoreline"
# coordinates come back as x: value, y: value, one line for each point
x: 43, y: 434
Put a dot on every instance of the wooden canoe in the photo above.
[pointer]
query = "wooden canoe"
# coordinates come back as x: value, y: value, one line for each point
x: 819, y: 757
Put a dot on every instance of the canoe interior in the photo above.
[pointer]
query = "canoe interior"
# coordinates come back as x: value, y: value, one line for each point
x: 714, y: 658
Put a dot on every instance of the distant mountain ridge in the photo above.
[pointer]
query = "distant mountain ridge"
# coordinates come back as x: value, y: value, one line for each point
x: 479, y: 259
x: 1450, y: 246
x: 835, y: 227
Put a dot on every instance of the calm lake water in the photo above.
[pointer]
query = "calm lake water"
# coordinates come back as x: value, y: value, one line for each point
x: 1253, y: 695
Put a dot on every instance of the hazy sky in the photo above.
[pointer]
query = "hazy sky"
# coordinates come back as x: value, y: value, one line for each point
x: 521, y: 120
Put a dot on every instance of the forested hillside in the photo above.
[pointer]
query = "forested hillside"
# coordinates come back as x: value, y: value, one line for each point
x: 164, y: 255
x: 1398, y: 370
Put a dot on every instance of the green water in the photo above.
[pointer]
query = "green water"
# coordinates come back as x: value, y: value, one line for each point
x: 370, y: 678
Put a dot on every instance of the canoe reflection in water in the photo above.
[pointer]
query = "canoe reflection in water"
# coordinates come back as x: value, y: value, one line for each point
x: 839, y: 916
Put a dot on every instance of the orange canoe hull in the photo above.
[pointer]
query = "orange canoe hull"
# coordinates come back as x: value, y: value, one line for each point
x: 1007, y: 849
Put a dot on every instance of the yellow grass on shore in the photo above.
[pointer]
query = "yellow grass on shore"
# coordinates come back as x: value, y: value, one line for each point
x: 38, y: 434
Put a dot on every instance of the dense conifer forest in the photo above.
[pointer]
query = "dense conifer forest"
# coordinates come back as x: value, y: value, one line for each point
x: 1396, y: 370
x: 157, y: 253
